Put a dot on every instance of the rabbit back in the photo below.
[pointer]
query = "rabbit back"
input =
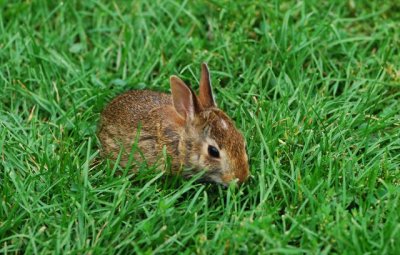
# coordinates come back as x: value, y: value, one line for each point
x: 125, y: 115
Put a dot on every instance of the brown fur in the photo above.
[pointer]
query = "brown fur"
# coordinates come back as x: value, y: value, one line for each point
x: 182, y: 123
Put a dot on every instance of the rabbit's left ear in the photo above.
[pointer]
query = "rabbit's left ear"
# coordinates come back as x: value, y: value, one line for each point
x: 184, y: 100
x: 205, y: 95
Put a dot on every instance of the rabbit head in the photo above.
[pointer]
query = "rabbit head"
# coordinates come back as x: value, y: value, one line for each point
x: 209, y: 138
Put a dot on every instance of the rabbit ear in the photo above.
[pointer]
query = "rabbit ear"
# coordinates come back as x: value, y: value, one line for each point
x: 184, y: 99
x: 205, y: 95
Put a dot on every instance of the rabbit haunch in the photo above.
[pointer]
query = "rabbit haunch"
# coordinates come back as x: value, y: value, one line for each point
x: 186, y: 125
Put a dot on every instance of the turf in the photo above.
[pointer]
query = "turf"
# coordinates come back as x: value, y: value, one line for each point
x: 313, y: 85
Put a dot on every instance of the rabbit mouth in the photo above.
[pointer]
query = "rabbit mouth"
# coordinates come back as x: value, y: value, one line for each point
x: 208, y: 177
x: 212, y: 179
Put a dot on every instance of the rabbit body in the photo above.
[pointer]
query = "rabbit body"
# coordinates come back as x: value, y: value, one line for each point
x: 148, y: 114
x: 195, y: 133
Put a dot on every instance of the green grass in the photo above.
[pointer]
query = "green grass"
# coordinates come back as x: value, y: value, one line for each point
x: 314, y: 86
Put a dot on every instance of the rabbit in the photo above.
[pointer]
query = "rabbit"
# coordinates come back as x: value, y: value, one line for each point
x: 194, y: 132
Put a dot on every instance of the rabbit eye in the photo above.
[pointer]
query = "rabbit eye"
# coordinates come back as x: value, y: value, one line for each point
x: 214, y: 152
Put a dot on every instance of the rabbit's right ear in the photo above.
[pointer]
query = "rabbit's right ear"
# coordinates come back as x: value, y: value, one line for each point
x: 205, y: 95
x: 184, y: 99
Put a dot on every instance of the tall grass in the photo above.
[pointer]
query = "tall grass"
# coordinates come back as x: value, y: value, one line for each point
x: 313, y: 85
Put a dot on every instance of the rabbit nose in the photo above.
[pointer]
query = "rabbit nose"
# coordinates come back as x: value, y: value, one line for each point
x: 243, y: 177
x: 238, y: 177
x: 243, y: 174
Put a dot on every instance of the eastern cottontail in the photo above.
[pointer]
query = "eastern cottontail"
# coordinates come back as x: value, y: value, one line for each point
x: 196, y: 134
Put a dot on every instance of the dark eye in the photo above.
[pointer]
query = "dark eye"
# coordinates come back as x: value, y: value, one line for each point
x: 214, y: 152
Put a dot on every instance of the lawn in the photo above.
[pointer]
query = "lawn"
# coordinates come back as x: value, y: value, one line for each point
x: 314, y: 86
